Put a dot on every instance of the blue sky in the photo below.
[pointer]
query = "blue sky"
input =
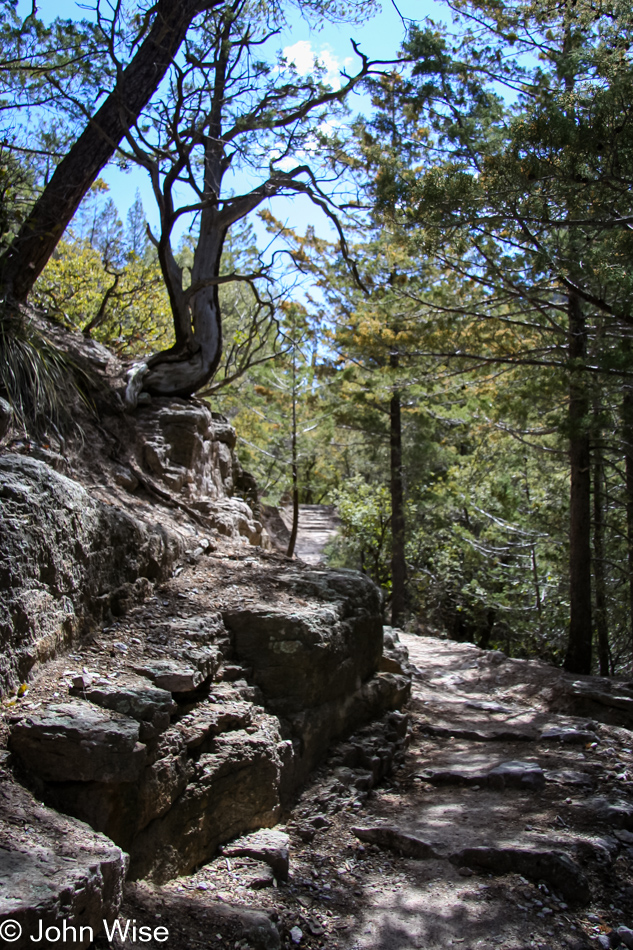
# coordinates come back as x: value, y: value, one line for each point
x: 379, y: 37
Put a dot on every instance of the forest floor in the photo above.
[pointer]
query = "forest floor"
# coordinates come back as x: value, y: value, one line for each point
x: 470, y: 711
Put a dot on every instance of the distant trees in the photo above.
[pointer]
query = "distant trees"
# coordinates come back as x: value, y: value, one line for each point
x: 506, y: 230
x: 531, y: 204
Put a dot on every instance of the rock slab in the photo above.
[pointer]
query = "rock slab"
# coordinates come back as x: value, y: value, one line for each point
x: 268, y: 845
x: 554, y: 867
x: 390, y: 837
x: 79, y: 742
x: 54, y: 868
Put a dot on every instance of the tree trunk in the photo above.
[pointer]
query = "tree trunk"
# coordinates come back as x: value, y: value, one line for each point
x: 627, y: 427
x: 38, y: 237
x: 535, y: 577
x: 398, y: 562
x: 627, y: 438
x: 598, y: 569
x: 184, y: 370
x: 295, y: 472
x: 578, y: 659
x: 193, y: 360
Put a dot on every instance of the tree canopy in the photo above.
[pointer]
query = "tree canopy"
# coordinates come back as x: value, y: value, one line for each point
x: 450, y: 364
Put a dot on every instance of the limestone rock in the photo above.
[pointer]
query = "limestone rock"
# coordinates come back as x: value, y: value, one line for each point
x: 211, y: 719
x: 306, y: 656
x: 626, y: 936
x: 78, y: 742
x: 124, y: 477
x: 318, y: 727
x: 555, y: 867
x: 516, y: 775
x: 567, y: 735
x: 388, y: 836
x: 206, y: 660
x: 471, y: 770
x: 268, y: 845
x: 59, y: 551
x: 618, y: 814
x: 190, y: 450
x: 257, y: 875
x: 235, y: 789
x: 568, y: 777
x: 62, y: 871
x: 160, y: 785
x: 599, y: 702
x: 478, y: 733
x: 150, y: 706
x: 395, y: 657
x: 6, y: 417
x: 172, y: 676
x: 256, y: 927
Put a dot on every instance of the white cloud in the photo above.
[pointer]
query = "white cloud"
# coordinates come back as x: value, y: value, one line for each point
x: 303, y: 57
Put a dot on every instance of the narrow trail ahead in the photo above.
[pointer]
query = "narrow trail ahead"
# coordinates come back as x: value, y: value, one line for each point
x: 318, y: 525
x: 507, y: 825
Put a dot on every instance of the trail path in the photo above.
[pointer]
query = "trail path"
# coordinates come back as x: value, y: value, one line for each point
x: 317, y: 526
x: 519, y: 817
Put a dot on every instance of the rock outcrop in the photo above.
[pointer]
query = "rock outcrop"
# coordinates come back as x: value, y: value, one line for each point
x: 189, y: 450
x: 68, y: 559
x: 54, y: 868
x: 205, y: 731
x: 188, y: 721
x: 65, y: 559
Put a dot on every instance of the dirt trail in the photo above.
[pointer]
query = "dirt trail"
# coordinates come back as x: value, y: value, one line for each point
x: 317, y: 526
x: 518, y: 817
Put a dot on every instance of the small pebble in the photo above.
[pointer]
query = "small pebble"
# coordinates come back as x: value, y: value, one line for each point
x: 296, y: 934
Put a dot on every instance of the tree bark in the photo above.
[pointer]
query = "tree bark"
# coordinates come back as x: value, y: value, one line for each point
x: 627, y: 426
x: 32, y: 247
x: 598, y: 569
x: 194, y: 358
x: 398, y: 561
x: 578, y: 658
x: 295, y: 471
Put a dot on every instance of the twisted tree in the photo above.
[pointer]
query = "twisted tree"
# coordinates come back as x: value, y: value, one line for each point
x: 229, y: 111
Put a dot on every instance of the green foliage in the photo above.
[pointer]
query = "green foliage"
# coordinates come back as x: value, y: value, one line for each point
x: 105, y: 280
x: 364, y: 542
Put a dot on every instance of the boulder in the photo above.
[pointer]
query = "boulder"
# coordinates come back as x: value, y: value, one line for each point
x: 172, y: 676
x: 55, y: 869
x: 387, y: 836
x: 618, y: 814
x: 149, y: 706
x: 306, y: 656
x: 234, y: 789
x: 473, y: 770
x: 199, y: 727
